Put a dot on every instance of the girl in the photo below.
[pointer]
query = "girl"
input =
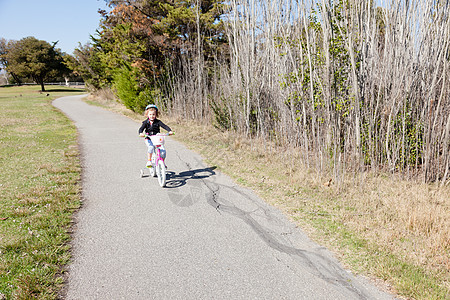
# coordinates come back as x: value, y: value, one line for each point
x: 152, y: 126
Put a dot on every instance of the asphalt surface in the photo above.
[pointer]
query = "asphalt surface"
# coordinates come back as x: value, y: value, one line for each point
x: 201, y: 237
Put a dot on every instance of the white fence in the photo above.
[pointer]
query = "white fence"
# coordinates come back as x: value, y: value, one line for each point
x: 63, y: 83
x: 78, y: 84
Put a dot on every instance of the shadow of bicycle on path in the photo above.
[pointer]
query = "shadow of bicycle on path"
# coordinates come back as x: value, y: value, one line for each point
x: 175, y: 181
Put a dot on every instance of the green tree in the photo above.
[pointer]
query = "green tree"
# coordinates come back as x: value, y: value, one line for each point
x: 86, y: 62
x: 35, y: 58
x: 5, y: 45
x: 154, y: 39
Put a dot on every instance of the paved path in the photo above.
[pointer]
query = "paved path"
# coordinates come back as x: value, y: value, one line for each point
x: 202, y: 237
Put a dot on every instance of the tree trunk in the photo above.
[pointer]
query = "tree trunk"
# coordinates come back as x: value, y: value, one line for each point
x: 41, y: 82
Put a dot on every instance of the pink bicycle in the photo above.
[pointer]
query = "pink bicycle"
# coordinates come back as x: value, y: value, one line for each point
x: 158, y: 165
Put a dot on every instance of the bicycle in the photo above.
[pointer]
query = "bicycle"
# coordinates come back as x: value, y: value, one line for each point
x: 158, y: 165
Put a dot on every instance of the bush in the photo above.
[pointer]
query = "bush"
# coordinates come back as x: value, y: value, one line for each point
x: 127, y: 88
x: 132, y: 95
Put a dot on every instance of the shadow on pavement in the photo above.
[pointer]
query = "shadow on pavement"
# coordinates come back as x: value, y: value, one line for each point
x: 180, y: 179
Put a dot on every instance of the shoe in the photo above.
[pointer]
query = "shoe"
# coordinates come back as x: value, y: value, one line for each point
x: 149, y: 164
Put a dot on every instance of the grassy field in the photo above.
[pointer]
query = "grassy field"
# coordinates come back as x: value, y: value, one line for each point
x: 394, y: 231
x: 39, y: 191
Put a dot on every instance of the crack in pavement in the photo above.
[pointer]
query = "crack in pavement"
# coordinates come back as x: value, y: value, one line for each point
x: 315, y: 263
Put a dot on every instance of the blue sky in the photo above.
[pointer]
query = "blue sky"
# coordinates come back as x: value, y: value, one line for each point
x: 66, y: 21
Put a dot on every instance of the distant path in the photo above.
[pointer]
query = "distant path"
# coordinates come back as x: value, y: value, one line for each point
x: 203, y: 237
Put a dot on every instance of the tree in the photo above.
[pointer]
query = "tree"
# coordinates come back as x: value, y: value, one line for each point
x: 5, y: 45
x: 86, y: 63
x: 35, y: 58
x: 155, y: 40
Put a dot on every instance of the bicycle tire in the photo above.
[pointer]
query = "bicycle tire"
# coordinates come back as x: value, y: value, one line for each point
x: 161, y: 173
x: 153, y: 168
x: 153, y: 171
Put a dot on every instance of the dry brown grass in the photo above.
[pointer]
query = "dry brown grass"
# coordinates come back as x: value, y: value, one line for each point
x: 106, y: 98
x: 409, y: 219
x: 103, y: 96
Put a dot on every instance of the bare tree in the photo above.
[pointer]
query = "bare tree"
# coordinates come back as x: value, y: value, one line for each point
x: 354, y: 86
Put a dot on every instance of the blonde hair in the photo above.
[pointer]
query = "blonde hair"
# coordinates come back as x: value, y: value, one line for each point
x: 148, y: 110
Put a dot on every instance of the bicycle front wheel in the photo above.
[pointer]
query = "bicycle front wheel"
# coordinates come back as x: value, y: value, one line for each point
x: 161, y: 170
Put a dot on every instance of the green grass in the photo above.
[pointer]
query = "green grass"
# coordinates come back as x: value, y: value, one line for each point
x: 39, y: 191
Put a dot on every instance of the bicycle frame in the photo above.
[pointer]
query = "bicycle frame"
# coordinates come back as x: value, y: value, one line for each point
x: 157, y: 152
x: 158, y: 163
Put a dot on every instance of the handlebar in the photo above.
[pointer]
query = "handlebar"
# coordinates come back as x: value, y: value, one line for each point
x: 160, y: 134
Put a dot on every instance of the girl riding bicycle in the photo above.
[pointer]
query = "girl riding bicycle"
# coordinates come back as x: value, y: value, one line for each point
x: 151, y: 126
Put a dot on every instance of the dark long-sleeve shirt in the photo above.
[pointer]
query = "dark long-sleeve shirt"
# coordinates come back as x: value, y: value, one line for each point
x: 152, y: 129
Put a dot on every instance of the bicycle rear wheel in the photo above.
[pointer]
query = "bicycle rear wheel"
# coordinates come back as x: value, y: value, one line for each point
x: 161, y: 170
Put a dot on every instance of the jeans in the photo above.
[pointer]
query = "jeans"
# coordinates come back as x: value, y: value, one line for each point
x: 150, y: 148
